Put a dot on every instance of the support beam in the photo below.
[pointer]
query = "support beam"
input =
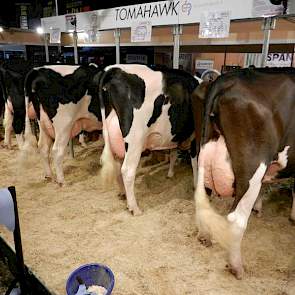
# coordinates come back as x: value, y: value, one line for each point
x: 177, y: 31
x: 46, y: 37
x: 268, y: 25
x: 75, y: 38
x: 117, y: 34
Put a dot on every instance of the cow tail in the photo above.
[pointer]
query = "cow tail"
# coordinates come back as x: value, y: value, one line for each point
x: 30, y: 142
x: 107, y: 159
x: 209, y: 222
x: 29, y: 147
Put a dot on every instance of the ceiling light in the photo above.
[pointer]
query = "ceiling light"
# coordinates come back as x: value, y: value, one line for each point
x: 40, y: 30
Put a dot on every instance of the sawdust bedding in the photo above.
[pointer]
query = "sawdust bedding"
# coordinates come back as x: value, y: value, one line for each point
x: 156, y: 253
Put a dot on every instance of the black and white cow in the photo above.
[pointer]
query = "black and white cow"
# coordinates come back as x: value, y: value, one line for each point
x: 142, y: 109
x: 248, y: 137
x: 66, y: 102
x: 12, y: 76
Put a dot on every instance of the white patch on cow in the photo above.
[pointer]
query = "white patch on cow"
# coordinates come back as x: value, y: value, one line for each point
x: 198, y: 79
x: 82, y: 140
x: 242, y: 212
x: 19, y: 140
x: 61, y: 69
x: 283, y: 157
x: 63, y: 122
x: 8, y: 118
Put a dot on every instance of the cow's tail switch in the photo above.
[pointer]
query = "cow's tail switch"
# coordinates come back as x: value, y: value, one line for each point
x: 210, y: 224
x: 29, y: 147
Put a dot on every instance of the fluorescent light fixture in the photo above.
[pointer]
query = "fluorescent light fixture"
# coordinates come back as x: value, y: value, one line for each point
x: 1, y: 29
x: 40, y: 30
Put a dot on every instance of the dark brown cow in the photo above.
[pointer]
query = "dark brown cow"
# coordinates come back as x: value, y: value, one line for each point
x: 248, y: 137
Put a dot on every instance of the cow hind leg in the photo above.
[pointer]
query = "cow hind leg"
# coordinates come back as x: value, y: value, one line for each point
x: 227, y: 231
x: 62, y: 138
x: 82, y: 140
x: 44, y: 145
x: 172, y: 161
x: 258, y: 207
x: 194, y: 162
x: 8, y: 118
x: 292, y: 216
x: 128, y: 170
x: 19, y: 140
x: 238, y: 220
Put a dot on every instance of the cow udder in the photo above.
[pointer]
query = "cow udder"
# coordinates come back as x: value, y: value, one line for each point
x: 219, y: 176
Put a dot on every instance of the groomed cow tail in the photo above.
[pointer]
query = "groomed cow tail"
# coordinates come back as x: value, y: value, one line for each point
x: 210, y: 224
x: 29, y: 147
x: 109, y: 166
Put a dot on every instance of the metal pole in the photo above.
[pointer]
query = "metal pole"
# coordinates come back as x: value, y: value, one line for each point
x: 56, y: 8
x: 75, y: 37
x: 268, y: 25
x: 117, y: 34
x: 56, y: 13
x: 46, y: 47
x: 177, y: 31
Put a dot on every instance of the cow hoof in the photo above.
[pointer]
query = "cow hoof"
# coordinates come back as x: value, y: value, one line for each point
x: 205, y: 241
x: 122, y: 196
x: 135, y: 211
x: 60, y: 184
x: 170, y: 175
x: 258, y: 213
x: 236, y: 271
x: 48, y: 178
x: 6, y: 146
x: 292, y: 221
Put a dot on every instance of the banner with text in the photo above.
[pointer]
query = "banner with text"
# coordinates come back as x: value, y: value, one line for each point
x: 141, y: 32
x: 214, y: 24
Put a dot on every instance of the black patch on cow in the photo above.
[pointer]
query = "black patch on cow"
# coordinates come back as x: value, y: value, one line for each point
x: 49, y: 88
x: 158, y: 103
x: 126, y: 147
x: 123, y: 92
x: 178, y: 86
x: 12, y: 76
x: 193, y: 149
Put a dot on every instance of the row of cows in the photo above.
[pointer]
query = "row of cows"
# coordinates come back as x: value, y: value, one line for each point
x: 240, y: 130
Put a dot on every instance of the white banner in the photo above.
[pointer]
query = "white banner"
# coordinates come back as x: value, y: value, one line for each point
x: 55, y: 35
x: 70, y: 22
x: 141, y: 32
x: 214, y: 24
x: 191, y: 10
x: 279, y: 60
x: 136, y: 58
x: 158, y: 13
x: 204, y: 64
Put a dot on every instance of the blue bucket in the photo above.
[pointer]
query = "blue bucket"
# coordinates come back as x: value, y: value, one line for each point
x: 91, y: 274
